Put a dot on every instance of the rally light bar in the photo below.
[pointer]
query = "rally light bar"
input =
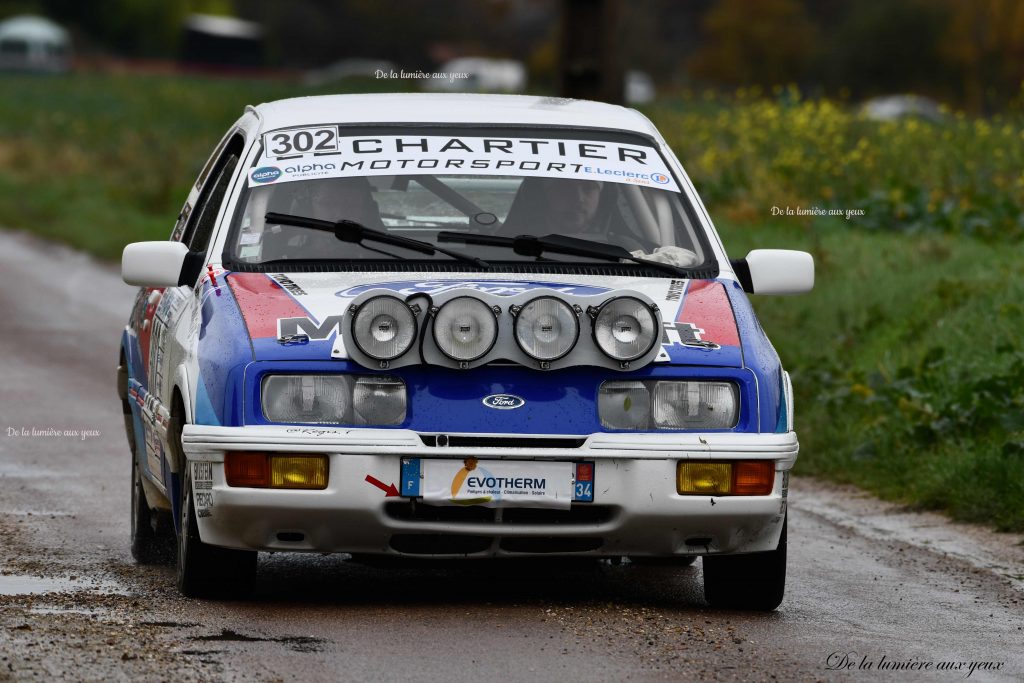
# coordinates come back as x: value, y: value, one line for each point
x: 464, y: 328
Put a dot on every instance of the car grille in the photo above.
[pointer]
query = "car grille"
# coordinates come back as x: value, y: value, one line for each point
x: 549, y: 544
x: 448, y: 544
x: 439, y: 544
x: 411, y: 511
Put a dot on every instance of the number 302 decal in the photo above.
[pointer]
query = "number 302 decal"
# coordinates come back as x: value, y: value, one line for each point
x: 301, y: 141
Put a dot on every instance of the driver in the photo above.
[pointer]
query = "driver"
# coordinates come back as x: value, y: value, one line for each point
x: 568, y: 206
x: 571, y: 204
x: 545, y: 206
x: 334, y: 199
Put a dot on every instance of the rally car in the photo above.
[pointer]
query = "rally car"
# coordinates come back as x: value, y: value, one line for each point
x: 455, y: 326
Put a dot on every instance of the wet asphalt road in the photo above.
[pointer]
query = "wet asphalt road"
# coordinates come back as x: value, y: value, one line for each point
x: 865, y: 579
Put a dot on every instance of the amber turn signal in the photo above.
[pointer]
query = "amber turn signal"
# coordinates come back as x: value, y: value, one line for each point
x: 298, y: 472
x: 753, y: 478
x: 242, y: 468
x: 705, y: 478
x: 275, y: 470
x: 735, y: 478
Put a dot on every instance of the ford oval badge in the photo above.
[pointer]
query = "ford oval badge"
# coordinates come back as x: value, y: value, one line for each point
x: 503, y: 401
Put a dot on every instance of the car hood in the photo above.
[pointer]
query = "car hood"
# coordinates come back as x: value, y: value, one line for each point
x: 313, y: 303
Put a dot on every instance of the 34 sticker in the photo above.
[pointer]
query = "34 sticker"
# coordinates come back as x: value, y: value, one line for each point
x: 284, y: 144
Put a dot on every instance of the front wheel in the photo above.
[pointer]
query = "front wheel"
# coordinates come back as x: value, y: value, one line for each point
x: 756, y: 581
x: 207, y: 571
x: 151, y: 538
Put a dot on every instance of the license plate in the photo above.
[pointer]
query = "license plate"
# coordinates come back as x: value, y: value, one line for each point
x: 497, y: 483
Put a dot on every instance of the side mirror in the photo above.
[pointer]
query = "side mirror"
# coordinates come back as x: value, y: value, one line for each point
x: 775, y: 271
x: 153, y: 264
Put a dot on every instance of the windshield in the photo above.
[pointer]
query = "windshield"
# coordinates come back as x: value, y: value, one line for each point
x: 607, y: 188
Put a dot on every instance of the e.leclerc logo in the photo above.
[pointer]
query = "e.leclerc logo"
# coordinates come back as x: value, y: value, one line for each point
x: 659, y: 178
x: 503, y: 401
x: 266, y: 174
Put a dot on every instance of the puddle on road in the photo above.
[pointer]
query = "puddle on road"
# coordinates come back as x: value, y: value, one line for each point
x: 169, y: 624
x: 297, y: 643
x: 36, y: 585
x: 28, y: 585
x: 87, y: 611
x: 37, y: 513
x: 15, y: 470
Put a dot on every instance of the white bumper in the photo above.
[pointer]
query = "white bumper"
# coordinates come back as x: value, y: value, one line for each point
x: 636, y: 510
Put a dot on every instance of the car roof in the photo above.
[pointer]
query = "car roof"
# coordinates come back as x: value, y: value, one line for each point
x: 450, y: 108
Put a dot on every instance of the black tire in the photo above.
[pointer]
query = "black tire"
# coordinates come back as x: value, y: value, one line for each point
x: 756, y: 581
x: 203, y: 570
x: 152, y: 540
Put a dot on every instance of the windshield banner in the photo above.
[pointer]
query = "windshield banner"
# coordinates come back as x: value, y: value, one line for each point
x: 304, y: 154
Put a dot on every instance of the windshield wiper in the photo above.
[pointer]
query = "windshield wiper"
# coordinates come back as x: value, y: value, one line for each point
x: 350, y: 231
x: 529, y: 245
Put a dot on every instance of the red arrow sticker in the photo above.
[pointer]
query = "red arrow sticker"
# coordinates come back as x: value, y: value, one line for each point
x: 388, y: 489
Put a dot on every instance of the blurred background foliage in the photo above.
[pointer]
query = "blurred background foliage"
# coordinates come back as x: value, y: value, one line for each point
x: 969, y: 54
x: 907, y: 359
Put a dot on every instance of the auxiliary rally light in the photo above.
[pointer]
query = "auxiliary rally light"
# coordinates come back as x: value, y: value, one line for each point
x: 275, y: 470
x: 734, y: 478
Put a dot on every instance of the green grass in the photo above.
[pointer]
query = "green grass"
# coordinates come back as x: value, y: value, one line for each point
x: 98, y: 161
x: 907, y: 365
x: 906, y: 361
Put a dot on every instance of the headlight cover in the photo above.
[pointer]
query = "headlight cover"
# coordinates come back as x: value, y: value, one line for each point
x: 695, y: 405
x: 379, y: 400
x: 624, y: 405
x: 670, y: 404
x: 383, y: 327
x: 306, y: 399
x: 625, y: 328
x: 546, y: 328
x: 334, y: 399
x: 465, y: 328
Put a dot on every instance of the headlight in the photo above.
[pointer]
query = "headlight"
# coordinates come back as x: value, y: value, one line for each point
x: 695, y: 405
x: 334, y: 399
x: 624, y: 405
x: 625, y: 328
x: 465, y: 328
x: 663, y: 404
x: 384, y: 327
x: 546, y: 328
x: 379, y: 400
x: 309, y: 399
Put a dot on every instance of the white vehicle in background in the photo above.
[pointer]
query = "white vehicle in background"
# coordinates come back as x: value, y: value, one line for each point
x: 479, y: 74
x: 455, y: 326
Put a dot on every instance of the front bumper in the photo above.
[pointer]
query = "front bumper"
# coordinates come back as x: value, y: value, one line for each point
x: 636, y: 510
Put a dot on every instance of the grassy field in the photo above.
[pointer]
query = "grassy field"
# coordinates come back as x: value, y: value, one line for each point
x: 907, y: 365
x: 906, y: 359
x: 99, y: 161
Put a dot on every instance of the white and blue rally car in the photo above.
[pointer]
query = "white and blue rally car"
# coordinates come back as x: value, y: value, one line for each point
x: 455, y: 326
